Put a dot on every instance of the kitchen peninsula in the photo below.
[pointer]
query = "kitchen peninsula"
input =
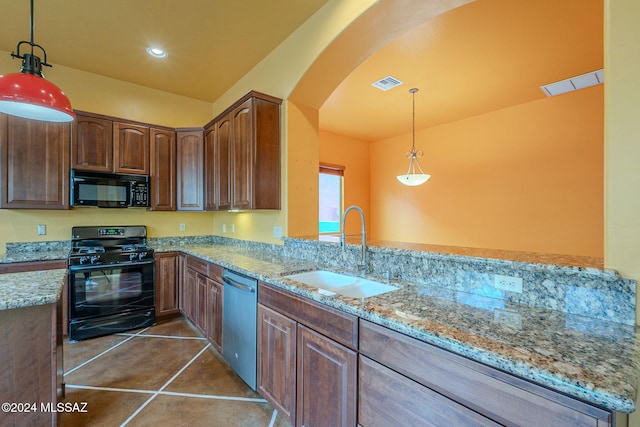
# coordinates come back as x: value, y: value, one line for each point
x: 31, y: 345
x: 567, y: 341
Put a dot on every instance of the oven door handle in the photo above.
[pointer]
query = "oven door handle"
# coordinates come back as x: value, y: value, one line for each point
x: 108, y: 266
x: 231, y: 282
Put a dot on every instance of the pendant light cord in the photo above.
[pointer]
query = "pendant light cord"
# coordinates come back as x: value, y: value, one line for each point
x: 413, y: 119
x: 32, y: 25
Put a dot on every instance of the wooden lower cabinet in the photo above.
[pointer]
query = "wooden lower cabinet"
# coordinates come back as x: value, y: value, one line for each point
x: 277, y: 361
x: 188, y: 295
x: 202, y: 298
x: 31, y: 369
x: 326, y: 383
x: 386, y: 398
x: 309, y: 376
x: 167, y: 275
x: 214, y: 309
x: 202, y: 303
x: 450, y: 382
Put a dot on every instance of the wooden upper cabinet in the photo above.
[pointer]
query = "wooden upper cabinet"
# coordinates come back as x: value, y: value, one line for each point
x: 210, y: 168
x: 224, y: 171
x: 130, y: 148
x: 103, y: 144
x: 243, y: 155
x: 92, y: 143
x: 162, y: 179
x: 190, y: 170
x: 34, y: 164
x: 247, y: 155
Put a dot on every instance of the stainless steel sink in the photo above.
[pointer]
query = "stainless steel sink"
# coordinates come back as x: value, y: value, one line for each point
x: 329, y: 282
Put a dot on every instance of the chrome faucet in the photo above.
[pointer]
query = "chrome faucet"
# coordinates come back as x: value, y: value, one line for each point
x: 363, y: 264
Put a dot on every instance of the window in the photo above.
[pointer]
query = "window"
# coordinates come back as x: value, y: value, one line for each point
x: 330, y: 190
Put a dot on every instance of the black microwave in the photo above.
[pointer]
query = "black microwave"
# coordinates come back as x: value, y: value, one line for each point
x: 109, y: 190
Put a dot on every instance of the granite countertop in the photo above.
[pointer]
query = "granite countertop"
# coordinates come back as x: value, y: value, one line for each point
x: 18, y: 290
x: 591, y: 359
x: 29, y: 256
x: 595, y: 360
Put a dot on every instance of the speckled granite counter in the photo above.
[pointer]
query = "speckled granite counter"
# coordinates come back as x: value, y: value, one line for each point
x: 18, y: 290
x: 572, y: 329
x: 29, y: 256
x: 588, y: 358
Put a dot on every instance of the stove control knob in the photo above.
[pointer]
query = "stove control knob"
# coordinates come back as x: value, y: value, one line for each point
x: 95, y: 258
x: 142, y: 254
x: 132, y: 256
x: 84, y: 259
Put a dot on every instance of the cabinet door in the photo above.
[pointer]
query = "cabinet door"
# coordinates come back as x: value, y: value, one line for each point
x: 326, y: 383
x: 34, y: 164
x: 202, y: 304
x: 131, y: 148
x: 224, y: 152
x: 243, y: 156
x: 188, y: 295
x: 167, y: 271
x: 277, y: 361
x: 190, y: 170
x: 92, y: 144
x: 163, y: 170
x: 387, y: 398
x: 210, y: 169
x: 214, y: 322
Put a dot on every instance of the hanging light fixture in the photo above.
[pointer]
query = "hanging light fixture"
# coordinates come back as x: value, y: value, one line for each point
x: 27, y: 94
x: 412, y: 178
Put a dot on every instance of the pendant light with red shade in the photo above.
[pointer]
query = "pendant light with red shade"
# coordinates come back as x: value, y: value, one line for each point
x: 27, y: 94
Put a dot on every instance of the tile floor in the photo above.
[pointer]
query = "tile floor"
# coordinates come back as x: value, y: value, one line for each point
x: 166, y: 375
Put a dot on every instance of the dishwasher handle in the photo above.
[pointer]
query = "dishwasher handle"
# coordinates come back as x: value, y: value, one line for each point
x: 235, y: 284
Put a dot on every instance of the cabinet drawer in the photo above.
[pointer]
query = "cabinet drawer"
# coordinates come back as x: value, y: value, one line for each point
x: 387, y: 398
x: 198, y: 265
x: 338, y: 326
x: 215, y: 272
x: 495, y: 394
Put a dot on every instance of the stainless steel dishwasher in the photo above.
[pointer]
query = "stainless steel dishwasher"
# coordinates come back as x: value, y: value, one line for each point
x: 239, y: 325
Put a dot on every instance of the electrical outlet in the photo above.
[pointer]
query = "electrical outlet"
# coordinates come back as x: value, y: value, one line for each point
x: 233, y: 228
x: 224, y: 228
x: 183, y: 226
x: 42, y: 229
x: 277, y: 231
x: 508, y: 283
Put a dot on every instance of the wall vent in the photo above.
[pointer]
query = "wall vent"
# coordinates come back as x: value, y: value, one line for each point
x: 574, y: 83
x: 387, y: 83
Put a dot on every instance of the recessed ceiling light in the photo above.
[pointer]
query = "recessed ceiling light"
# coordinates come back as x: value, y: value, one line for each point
x: 156, y: 53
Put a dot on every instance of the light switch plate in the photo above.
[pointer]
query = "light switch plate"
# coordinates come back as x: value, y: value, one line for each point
x: 42, y: 229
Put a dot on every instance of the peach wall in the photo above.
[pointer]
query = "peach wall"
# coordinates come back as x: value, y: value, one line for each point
x: 353, y: 154
x: 302, y: 170
x: 526, y: 178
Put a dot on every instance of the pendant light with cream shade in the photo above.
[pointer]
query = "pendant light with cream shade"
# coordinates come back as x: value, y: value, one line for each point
x: 27, y: 94
x: 412, y: 178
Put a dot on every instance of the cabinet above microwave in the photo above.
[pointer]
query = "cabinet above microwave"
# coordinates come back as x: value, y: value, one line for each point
x: 101, y: 144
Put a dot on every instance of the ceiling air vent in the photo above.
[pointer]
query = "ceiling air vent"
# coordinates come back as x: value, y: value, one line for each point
x: 387, y: 83
x: 574, y: 83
